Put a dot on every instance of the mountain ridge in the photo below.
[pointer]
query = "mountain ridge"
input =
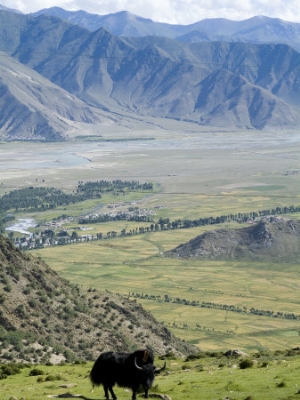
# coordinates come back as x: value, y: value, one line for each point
x: 255, y: 29
x: 237, y: 85
x: 47, y: 111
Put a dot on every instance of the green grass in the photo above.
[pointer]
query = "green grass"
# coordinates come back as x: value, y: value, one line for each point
x: 210, y: 377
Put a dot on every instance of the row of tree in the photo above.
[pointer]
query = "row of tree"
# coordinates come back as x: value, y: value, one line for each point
x: 167, y: 224
x: 224, y: 307
x: 64, y: 238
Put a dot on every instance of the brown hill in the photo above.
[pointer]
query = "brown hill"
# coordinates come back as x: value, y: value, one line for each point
x: 45, y: 318
x: 275, y: 239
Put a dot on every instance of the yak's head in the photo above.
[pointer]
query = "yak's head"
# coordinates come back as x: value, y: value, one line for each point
x: 148, y: 372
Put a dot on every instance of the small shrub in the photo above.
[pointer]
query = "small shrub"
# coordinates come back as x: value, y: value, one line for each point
x: 36, y: 372
x: 196, y: 356
x: 264, y: 364
x: 51, y: 378
x: 169, y: 354
x: 10, y: 369
x: 281, y: 384
x: 32, y: 303
x: 2, y: 298
x: 199, y: 368
x: 246, y: 363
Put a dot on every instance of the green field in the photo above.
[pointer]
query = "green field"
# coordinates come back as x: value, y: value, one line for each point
x: 196, y: 174
x: 115, y: 265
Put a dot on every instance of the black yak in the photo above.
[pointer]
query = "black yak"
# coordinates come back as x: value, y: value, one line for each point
x: 130, y: 370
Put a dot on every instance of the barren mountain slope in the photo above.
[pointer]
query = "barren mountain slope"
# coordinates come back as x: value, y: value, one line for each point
x: 33, y: 107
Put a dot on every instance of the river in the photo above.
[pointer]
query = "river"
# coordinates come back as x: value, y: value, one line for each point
x: 22, y: 225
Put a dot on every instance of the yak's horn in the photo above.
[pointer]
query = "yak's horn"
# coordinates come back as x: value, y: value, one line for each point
x: 157, y: 370
x: 136, y: 366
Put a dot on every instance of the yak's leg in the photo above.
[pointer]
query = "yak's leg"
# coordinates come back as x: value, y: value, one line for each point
x: 146, y: 392
x: 106, y: 392
x: 109, y: 388
x: 134, y: 389
x: 112, y: 393
x: 146, y: 388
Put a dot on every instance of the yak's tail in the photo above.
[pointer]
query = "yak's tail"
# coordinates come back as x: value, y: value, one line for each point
x: 95, y: 375
x: 94, y: 379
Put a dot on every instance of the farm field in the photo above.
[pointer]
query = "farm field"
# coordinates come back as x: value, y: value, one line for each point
x: 196, y: 173
x: 116, y: 266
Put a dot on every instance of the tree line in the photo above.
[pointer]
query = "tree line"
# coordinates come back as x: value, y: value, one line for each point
x: 163, y: 224
x: 166, y: 224
x: 225, y: 307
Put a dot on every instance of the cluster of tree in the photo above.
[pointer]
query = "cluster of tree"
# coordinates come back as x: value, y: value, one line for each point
x: 43, y: 198
x: 122, y: 216
x: 94, y: 189
x: 225, y: 307
x: 37, y: 199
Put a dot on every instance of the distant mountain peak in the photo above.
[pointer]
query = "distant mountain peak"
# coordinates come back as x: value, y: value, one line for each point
x: 2, y: 7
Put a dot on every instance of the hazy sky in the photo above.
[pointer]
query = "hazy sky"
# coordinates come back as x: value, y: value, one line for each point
x: 172, y: 11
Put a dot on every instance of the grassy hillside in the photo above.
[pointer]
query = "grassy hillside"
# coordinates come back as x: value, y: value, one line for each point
x: 208, y: 376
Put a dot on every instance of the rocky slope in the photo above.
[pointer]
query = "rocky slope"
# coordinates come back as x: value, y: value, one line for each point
x: 275, y: 239
x: 34, y: 108
x: 45, y: 318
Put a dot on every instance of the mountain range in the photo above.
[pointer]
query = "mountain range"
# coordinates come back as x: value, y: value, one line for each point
x: 259, y: 29
x: 75, y: 71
